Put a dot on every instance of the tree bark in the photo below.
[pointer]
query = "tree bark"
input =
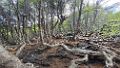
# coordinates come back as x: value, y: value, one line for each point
x: 79, y: 17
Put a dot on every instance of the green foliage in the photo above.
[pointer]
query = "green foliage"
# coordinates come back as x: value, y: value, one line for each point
x: 35, y: 28
x: 113, y: 25
x: 109, y: 30
x: 66, y: 25
x: 88, y: 8
x: 34, y: 1
x: 114, y: 17
x: 21, y: 3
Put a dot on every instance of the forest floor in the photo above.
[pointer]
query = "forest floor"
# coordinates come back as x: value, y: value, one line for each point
x: 57, y: 57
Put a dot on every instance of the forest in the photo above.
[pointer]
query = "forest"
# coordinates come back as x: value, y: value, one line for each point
x: 59, y: 33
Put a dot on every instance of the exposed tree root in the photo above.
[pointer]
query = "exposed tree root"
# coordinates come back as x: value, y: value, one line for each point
x: 105, y: 52
x: 109, y: 56
x: 8, y: 60
x: 20, y: 49
x: 73, y: 62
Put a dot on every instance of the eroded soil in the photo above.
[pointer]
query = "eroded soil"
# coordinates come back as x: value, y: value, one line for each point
x: 58, y: 57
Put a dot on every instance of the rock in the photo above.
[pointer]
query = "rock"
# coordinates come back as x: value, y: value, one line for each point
x: 117, y: 39
x: 69, y: 36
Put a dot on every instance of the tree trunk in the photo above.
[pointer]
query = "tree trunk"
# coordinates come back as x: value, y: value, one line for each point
x: 79, y: 17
